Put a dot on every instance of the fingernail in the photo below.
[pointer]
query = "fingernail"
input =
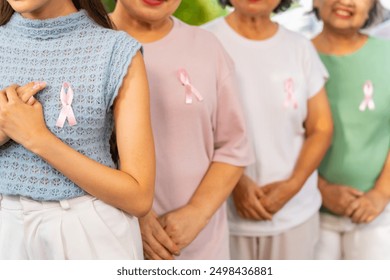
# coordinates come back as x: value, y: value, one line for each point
x: 38, y: 85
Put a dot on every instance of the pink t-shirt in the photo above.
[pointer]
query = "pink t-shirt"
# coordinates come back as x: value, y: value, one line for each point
x: 189, y: 137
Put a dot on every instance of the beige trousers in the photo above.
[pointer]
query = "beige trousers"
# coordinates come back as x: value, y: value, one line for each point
x: 297, y: 243
x: 79, y: 228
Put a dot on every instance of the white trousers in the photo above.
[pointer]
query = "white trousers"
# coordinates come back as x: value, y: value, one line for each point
x: 342, y: 239
x: 297, y: 243
x: 79, y: 228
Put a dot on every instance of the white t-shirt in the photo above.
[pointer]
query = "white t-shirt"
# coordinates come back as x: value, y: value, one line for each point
x: 277, y: 76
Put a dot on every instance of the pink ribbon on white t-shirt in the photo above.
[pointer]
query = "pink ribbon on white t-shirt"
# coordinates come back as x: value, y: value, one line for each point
x: 368, y: 101
x: 66, y: 97
x: 190, y: 89
x: 290, y: 98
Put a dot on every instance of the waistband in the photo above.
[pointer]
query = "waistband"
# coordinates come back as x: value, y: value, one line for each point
x: 11, y: 202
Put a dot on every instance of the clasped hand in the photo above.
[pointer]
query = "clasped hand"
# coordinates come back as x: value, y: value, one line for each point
x: 349, y: 202
x: 163, y: 237
x: 261, y: 203
x: 21, y: 115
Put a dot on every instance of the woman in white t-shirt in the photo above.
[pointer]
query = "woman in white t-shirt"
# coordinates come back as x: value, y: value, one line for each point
x: 273, y: 213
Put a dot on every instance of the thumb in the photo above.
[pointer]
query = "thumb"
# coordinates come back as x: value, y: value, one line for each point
x: 36, y: 104
x: 356, y: 192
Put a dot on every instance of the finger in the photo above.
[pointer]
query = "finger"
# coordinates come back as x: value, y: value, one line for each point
x: 156, y: 248
x: 351, y: 208
x: 3, y: 98
x: 149, y: 253
x: 27, y: 91
x: 162, y: 236
x: 355, y: 192
x: 266, y: 189
x: 262, y: 212
x: 31, y: 101
x: 365, y: 218
x: 252, y: 215
x: 370, y: 218
x: 259, y: 193
x: 357, y: 215
x: 12, y: 96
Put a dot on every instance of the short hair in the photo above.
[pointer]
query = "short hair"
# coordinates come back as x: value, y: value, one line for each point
x: 374, y: 15
x: 283, y: 6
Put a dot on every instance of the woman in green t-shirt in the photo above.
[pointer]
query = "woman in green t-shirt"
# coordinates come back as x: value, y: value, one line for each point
x: 355, y: 173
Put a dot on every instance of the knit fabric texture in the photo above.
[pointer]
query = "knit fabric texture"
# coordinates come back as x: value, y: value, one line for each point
x: 75, y: 50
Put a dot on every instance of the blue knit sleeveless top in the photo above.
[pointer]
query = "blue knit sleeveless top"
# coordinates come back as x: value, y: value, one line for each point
x: 75, y: 50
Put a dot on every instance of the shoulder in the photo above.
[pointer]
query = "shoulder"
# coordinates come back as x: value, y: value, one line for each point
x: 294, y: 38
x: 111, y: 35
x: 198, y: 34
x: 380, y: 43
x: 214, y: 25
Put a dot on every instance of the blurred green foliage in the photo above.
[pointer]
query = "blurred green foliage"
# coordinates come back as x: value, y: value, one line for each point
x: 195, y: 12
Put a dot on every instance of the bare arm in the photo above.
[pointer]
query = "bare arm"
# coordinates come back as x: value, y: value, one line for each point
x: 319, y: 129
x: 131, y: 187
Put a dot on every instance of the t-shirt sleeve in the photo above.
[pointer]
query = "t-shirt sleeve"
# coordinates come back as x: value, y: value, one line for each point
x: 231, y: 142
x: 125, y: 48
x: 315, y: 72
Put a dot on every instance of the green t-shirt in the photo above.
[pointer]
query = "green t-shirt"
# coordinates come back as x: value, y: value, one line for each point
x: 361, y: 137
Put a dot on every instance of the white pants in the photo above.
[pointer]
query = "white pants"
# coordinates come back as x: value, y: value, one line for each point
x: 79, y: 228
x: 342, y: 239
x: 297, y: 243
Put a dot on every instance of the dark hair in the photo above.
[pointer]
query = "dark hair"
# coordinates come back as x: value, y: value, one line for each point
x: 94, y: 8
x: 374, y: 14
x: 283, y: 6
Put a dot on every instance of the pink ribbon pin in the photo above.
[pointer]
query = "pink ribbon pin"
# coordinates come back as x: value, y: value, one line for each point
x: 368, y: 101
x: 66, y: 96
x: 190, y: 89
x: 290, y: 98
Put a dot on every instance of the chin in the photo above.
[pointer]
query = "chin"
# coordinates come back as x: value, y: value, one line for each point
x: 23, y: 6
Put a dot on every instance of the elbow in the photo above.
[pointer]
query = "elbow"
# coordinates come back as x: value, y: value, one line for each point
x: 144, y: 208
x: 329, y: 134
x: 142, y: 205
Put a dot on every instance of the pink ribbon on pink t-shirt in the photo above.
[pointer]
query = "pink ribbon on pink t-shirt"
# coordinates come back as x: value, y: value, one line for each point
x: 368, y: 101
x: 290, y: 98
x: 66, y: 96
x: 190, y: 89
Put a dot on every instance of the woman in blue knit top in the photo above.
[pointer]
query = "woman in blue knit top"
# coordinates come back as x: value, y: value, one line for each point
x: 66, y: 80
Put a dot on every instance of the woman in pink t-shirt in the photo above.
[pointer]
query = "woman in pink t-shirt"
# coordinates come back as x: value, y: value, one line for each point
x: 200, y: 136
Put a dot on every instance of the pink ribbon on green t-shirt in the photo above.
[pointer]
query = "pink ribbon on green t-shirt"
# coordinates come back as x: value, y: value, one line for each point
x: 190, y: 89
x: 368, y: 101
x: 290, y: 98
x: 66, y: 96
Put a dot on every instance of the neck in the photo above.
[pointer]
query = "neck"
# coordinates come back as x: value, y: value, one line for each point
x: 252, y: 27
x: 335, y: 42
x: 141, y: 30
x: 53, y: 10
